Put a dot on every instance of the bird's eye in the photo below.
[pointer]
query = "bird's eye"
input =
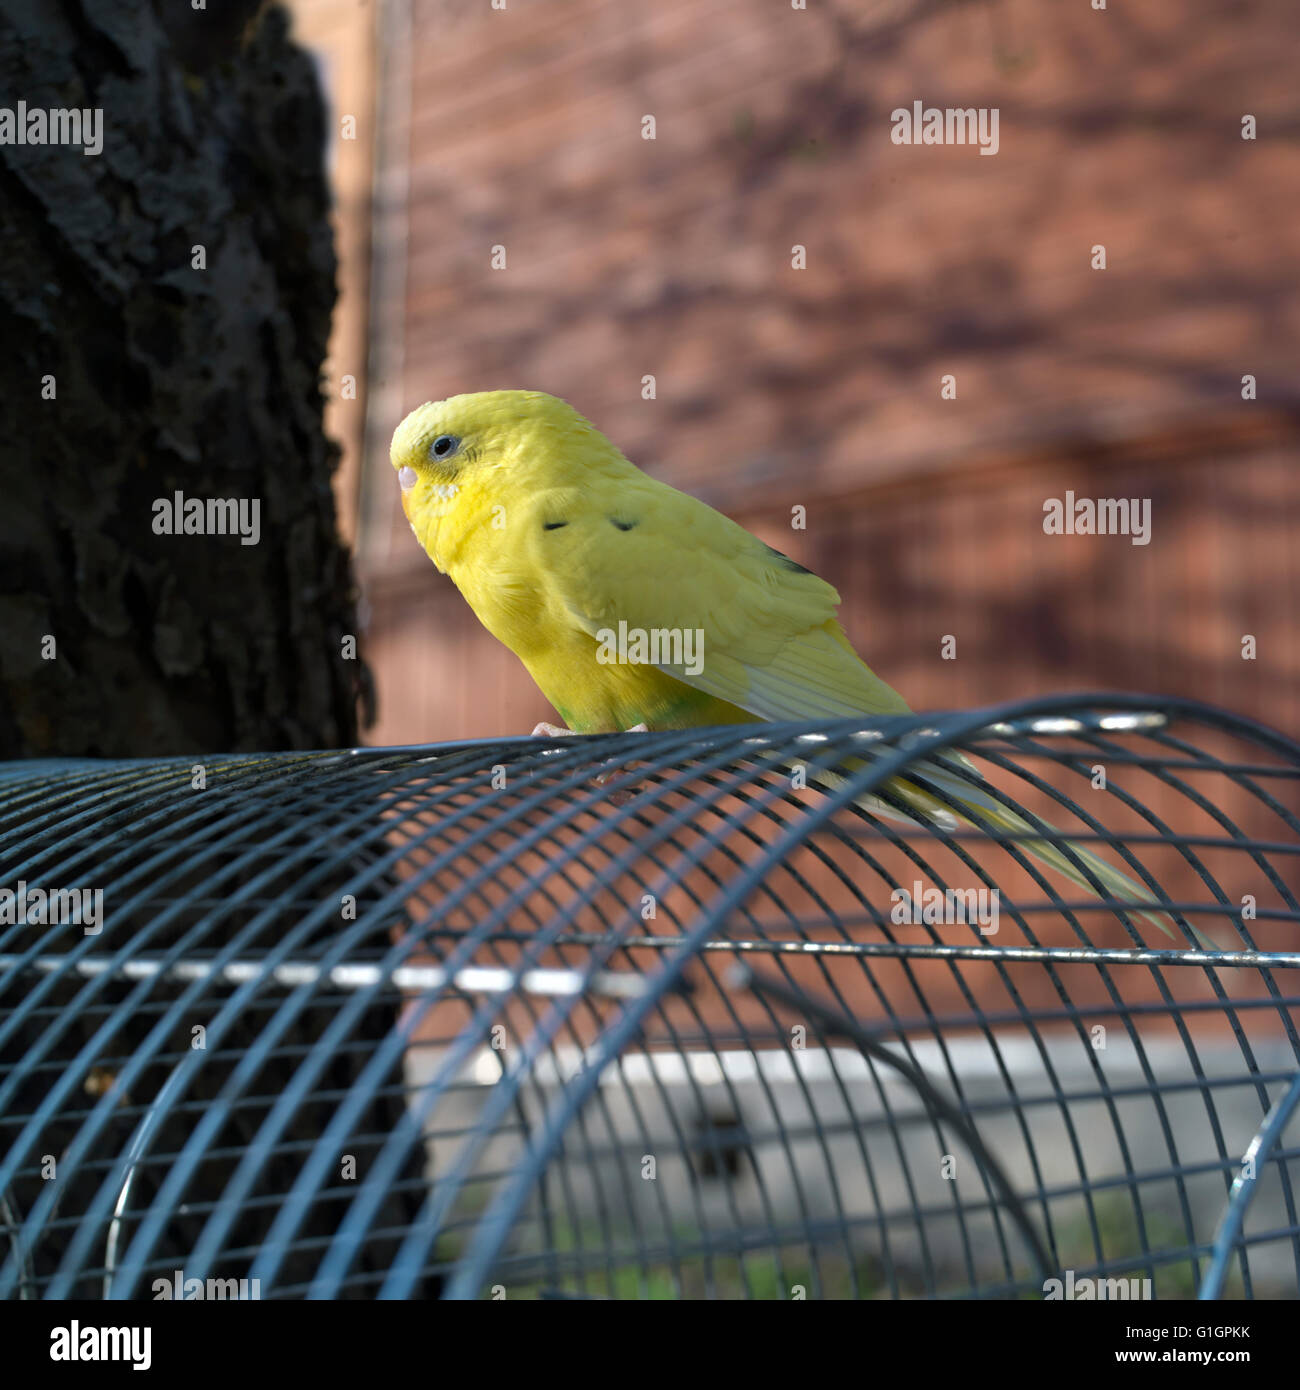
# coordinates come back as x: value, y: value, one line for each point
x: 444, y: 446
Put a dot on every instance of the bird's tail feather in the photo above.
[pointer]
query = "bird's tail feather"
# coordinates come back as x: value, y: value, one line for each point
x: 981, y: 808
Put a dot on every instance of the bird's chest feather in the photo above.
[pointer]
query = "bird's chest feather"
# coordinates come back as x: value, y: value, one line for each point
x: 519, y: 596
x: 520, y: 608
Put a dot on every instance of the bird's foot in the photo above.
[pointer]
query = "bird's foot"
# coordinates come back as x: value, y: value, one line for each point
x: 621, y: 794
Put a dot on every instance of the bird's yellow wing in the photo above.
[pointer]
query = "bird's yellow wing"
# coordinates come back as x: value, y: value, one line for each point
x: 655, y: 558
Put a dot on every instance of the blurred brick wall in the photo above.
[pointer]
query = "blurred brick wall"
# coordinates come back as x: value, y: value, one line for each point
x: 341, y: 35
x: 821, y: 387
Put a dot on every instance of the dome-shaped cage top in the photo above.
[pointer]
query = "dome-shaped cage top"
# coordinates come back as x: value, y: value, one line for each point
x: 707, y: 1013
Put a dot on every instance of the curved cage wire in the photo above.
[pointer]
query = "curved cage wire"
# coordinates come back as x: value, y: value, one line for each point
x: 668, y: 1015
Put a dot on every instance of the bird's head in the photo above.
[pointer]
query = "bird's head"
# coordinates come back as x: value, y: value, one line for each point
x: 459, y: 457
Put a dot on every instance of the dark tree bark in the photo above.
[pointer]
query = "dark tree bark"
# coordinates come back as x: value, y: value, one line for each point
x: 167, y: 378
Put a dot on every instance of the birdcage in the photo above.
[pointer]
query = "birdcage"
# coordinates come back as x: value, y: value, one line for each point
x: 706, y: 1013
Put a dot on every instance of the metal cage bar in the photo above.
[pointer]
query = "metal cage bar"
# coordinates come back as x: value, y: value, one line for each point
x: 659, y: 1015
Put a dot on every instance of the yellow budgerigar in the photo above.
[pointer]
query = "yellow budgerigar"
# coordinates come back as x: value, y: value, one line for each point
x: 564, y: 548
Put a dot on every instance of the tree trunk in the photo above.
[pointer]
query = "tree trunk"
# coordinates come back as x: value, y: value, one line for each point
x: 164, y: 307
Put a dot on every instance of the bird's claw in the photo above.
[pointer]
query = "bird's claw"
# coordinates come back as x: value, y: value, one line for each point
x: 620, y: 795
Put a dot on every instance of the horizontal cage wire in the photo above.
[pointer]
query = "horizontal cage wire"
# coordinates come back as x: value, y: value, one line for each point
x: 757, y: 1012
